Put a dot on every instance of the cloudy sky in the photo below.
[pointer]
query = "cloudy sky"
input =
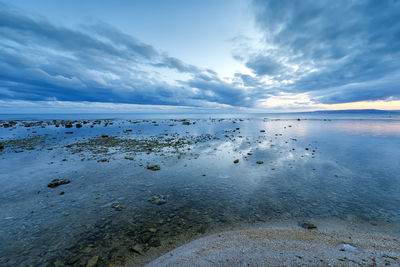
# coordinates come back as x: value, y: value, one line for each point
x: 210, y: 55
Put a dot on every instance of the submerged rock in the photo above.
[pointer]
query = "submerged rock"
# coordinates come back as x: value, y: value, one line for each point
x: 57, y: 182
x: 186, y: 123
x: 307, y: 225
x: 153, y: 167
x: 158, y: 199
x: 236, y: 161
x: 104, y: 136
x: 118, y: 207
x: 260, y: 162
x: 92, y: 262
x: 138, y: 249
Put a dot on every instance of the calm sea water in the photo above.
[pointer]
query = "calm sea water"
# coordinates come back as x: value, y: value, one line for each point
x: 321, y: 166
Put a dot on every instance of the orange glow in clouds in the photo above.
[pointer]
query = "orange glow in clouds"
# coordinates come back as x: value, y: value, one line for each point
x: 379, y: 104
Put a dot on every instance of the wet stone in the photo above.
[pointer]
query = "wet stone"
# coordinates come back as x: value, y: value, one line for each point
x: 118, y: 207
x: 57, y: 182
x: 153, y: 167
x: 92, y: 262
x: 307, y: 225
x: 260, y: 162
x: 138, y: 249
x: 158, y: 200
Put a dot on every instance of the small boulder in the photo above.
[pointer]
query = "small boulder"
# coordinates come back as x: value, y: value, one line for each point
x: 236, y: 161
x: 153, y: 167
x: 260, y: 162
x: 92, y: 262
x: 158, y: 200
x: 307, y: 225
x: 57, y: 182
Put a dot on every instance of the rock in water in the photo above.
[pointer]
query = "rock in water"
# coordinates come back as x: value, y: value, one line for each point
x: 138, y: 249
x: 236, y: 161
x: 118, y: 207
x: 158, y: 199
x: 307, y: 225
x: 57, y: 182
x: 92, y: 262
x: 153, y: 167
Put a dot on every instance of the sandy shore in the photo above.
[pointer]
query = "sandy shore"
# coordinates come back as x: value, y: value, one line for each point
x: 331, y: 244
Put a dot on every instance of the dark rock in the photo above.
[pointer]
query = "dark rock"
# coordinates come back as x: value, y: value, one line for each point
x: 57, y: 182
x: 236, y: 161
x: 153, y: 167
x: 186, y: 123
x: 78, y: 125
x: 260, y: 162
x: 104, y: 136
x: 307, y: 225
x: 158, y: 199
x: 118, y: 207
x: 138, y: 249
x: 92, y: 262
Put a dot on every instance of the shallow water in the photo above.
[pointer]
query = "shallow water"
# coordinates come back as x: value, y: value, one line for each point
x: 318, y: 167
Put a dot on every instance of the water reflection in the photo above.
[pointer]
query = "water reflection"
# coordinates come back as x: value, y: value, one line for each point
x: 313, y: 169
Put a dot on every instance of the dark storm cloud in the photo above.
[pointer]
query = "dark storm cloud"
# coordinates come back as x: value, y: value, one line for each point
x: 41, y: 61
x: 330, y: 45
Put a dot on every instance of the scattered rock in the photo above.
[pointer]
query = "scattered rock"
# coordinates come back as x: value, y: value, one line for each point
x: 92, y: 262
x: 153, y: 167
x: 262, y: 131
x: 158, y: 200
x: 104, y: 136
x: 118, y: 207
x: 69, y: 132
x: 236, y: 161
x: 138, y: 249
x: 186, y: 123
x: 260, y: 162
x: 1, y: 146
x: 78, y: 125
x: 307, y: 225
x: 57, y: 182
x: 129, y: 158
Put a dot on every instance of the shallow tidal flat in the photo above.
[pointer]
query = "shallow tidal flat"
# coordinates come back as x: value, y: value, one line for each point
x: 130, y: 190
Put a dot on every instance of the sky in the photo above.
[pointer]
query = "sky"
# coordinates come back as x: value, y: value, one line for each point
x: 209, y: 55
